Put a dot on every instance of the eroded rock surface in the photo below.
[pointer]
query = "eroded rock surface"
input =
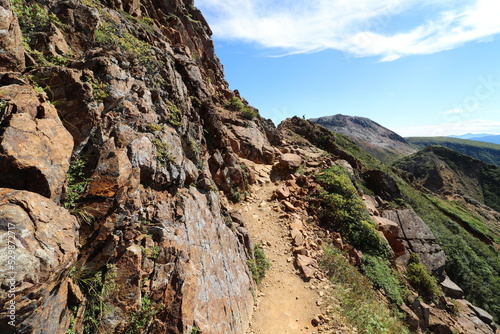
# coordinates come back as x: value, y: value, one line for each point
x: 35, y: 148
x: 43, y: 239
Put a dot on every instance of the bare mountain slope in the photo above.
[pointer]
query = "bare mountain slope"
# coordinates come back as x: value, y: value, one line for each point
x: 377, y: 140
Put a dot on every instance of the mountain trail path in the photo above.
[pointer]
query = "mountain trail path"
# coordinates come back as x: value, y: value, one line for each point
x: 285, y: 303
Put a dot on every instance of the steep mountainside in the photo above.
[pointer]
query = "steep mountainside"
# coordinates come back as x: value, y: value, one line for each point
x: 468, y: 233
x: 133, y: 184
x: 487, y: 152
x: 117, y: 133
x: 380, y: 142
x: 448, y: 172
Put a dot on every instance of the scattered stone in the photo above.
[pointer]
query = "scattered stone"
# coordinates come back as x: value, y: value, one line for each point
x: 282, y: 192
x: 289, y: 206
x: 315, y: 321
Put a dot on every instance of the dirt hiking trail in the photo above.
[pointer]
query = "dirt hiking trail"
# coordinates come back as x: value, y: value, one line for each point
x: 285, y: 303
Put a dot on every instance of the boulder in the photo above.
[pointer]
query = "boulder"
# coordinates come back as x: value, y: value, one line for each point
x: 482, y: 314
x: 450, y: 289
x: 290, y: 161
x: 419, y: 237
x: 43, y: 239
x: 41, y: 165
x: 391, y: 232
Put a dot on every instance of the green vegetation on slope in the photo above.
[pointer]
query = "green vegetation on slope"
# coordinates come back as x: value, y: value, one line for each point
x: 360, y: 304
x: 487, y: 152
x: 471, y: 263
x: 343, y: 210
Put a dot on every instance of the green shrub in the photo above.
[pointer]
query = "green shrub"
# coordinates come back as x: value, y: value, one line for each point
x: 343, y: 210
x: 357, y: 301
x: 259, y: 265
x: 140, y: 319
x: 96, y: 286
x: 249, y: 113
x: 152, y: 127
x: 384, y: 277
x: 420, y: 278
x: 175, y: 115
x: 235, y: 104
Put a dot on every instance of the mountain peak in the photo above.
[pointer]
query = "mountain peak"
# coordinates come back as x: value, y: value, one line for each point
x: 382, y: 143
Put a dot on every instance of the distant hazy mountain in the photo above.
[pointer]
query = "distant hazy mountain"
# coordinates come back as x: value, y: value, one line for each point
x: 495, y: 139
x: 486, y: 137
x: 471, y: 135
x: 377, y: 140
x: 481, y: 150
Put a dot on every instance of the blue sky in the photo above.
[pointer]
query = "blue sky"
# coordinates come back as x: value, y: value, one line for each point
x: 416, y: 67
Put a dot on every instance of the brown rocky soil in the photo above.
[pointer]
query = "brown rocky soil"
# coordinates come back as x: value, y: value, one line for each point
x: 285, y: 302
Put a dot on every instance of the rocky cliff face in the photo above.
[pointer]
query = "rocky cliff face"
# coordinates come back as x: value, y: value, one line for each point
x: 380, y: 142
x: 113, y: 112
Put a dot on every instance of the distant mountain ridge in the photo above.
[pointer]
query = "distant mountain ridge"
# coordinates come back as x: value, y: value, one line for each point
x: 448, y: 172
x: 487, y: 152
x: 380, y: 142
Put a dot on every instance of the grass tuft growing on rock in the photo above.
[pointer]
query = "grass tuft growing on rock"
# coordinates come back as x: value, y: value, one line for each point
x: 77, y: 182
x: 259, y: 265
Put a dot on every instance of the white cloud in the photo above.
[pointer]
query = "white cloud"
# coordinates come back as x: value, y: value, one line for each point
x: 452, y: 128
x: 454, y: 111
x: 359, y: 28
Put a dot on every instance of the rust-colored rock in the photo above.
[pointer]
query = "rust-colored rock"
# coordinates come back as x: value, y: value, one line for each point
x: 282, y: 192
x: 307, y: 265
x: 113, y: 171
x: 35, y: 148
x: 289, y: 206
x: 43, y: 238
x: 11, y: 40
x: 290, y: 161
x: 391, y: 232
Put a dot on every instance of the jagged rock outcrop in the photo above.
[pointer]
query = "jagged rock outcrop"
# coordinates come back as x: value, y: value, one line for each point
x: 38, y: 250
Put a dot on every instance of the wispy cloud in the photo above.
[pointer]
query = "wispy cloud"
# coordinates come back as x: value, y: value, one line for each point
x: 456, y: 111
x: 452, y: 128
x: 359, y: 28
